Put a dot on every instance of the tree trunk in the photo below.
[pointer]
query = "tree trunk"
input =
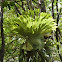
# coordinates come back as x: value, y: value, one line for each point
x: 2, y: 37
x: 42, y: 6
x: 57, y: 30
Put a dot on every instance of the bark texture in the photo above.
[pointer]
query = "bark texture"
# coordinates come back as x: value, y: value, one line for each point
x: 2, y: 36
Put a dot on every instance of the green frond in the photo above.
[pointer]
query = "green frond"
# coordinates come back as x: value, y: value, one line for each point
x: 33, y: 29
x: 38, y: 25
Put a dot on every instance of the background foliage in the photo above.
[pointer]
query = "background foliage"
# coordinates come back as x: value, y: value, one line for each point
x: 30, y: 34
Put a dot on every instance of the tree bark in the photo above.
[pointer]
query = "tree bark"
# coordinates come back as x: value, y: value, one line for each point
x: 42, y: 6
x: 2, y: 37
x: 53, y: 9
x: 57, y: 34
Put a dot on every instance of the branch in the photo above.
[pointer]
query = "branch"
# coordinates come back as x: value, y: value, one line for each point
x: 53, y: 9
x: 22, y: 5
x: 17, y: 10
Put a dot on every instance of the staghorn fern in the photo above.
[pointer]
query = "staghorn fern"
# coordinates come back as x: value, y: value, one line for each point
x: 39, y: 25
x: 33, y: 29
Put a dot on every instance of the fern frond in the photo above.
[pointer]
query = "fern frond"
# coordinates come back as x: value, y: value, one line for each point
x: 33, y: 29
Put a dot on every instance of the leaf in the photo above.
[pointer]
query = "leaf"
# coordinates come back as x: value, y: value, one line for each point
x: 34, y: 29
